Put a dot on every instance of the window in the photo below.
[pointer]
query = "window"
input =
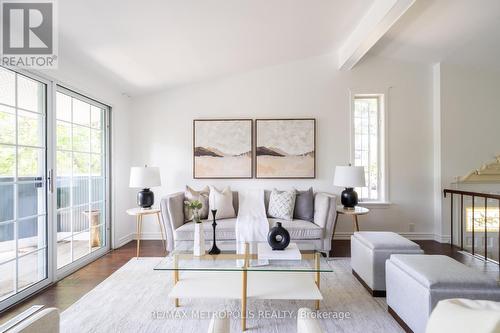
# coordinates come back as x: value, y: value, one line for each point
x: 369, y: 145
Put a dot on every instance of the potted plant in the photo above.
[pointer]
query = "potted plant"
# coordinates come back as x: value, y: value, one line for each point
x: 199, y: 234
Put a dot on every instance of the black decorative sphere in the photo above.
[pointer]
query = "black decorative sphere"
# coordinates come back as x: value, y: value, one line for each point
x: 278, y: 237
x: 349, y: 198
x: 145, y: 198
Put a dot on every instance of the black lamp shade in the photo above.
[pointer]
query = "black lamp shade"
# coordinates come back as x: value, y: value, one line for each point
x: 349, y: 198
x: 145, y: 198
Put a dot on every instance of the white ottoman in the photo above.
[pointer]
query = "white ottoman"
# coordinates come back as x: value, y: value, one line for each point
x: 416, y: 283
x: 370, y: 250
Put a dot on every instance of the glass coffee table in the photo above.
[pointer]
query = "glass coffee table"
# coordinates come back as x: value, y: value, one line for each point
x: 245, y: 276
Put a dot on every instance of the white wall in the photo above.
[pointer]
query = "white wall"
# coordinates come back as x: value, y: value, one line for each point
x: 309, y: 88
x: 314, y: 88
x: 441, y: 124
x: 85, y: 80
x: 470, y: 128
x: 470, y: 119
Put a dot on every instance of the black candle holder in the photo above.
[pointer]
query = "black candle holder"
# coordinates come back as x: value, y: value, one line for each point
x: 214, y: 249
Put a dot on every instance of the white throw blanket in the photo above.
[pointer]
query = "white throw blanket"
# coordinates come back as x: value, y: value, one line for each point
x: 251, y: 225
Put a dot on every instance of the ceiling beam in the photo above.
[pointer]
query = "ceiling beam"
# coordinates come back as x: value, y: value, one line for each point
x: 376, y: 22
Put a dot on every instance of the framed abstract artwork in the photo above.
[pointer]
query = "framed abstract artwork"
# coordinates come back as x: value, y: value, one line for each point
x: 222, y: 148
x: 285, y: 148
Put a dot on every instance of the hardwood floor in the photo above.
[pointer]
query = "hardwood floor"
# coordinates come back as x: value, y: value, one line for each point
x: 342, y: 248
x: 67, y: 291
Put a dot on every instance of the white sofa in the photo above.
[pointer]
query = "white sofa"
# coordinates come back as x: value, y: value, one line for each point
x: 460, y: 315
x: 417, y: 282
x: 220, y: 323
x: 34, y: 320
x: 315, y: 235
x: 306, y: 322
x: 370, y: 250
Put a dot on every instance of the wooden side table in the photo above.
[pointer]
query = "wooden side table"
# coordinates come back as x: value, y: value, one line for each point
x: 139, y: 213
x: 353, y: 212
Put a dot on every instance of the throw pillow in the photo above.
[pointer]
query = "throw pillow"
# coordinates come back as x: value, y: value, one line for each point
x: 201, y: 196
x: 304, y: 205
x: 223, y: 202
x: 281, y: 204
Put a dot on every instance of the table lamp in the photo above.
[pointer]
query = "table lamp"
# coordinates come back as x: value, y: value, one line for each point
x: 145, y: 178
x: 349, y: 177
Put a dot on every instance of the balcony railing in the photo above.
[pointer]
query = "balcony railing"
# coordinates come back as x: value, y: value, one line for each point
x: 476, y: 220
x: 75, y: 197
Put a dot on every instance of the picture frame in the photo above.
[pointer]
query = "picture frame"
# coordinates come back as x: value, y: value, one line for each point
x: 223, y: 149
x: 285, y: 148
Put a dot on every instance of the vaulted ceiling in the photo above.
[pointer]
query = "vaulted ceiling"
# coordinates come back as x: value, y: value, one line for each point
x: 146, y: 46
x: 458, y: 31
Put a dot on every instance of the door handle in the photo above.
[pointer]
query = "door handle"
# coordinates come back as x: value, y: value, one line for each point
x: 50, y: 180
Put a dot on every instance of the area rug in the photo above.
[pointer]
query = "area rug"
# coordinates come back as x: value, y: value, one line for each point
x: 134, y: 299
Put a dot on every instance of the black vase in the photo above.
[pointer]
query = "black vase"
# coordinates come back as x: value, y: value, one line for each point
x: 278, y: 237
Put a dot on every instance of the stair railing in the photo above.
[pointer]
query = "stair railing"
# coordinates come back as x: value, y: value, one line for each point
x: 472, y: 219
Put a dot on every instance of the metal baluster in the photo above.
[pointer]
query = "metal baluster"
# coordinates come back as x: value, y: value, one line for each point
x: 461, y: 222
x: 485, y: 228
x: 464, y: 230
x: 473, y: 225
x: 451, y: 215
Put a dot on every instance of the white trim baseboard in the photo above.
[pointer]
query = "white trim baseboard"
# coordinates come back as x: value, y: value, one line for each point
x: 442, y: 238
x: 148, y: 236
x: 410, y: 235
x: 133, y: 236
x: 124, y: 240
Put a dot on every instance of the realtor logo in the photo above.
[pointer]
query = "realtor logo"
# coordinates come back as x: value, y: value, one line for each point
x: 28, y: 34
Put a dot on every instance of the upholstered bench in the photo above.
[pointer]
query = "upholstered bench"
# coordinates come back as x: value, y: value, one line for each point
x: 370, y: 250
x: 416, y: 283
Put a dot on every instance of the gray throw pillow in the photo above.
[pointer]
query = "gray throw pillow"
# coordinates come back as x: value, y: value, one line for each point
x: 304, y: 205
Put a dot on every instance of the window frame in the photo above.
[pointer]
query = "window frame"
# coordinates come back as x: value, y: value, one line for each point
x: 382, y: 144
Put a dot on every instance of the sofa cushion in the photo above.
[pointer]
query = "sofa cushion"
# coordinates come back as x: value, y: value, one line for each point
x: 304, y: 205
x: 461, y: 315
x: 222, y: 201
x: 192, y: 195
x: 381, y: 240
x: 441, y: 272
x: 298, y: 229
x: 281, y: 204
x: 224, y: 230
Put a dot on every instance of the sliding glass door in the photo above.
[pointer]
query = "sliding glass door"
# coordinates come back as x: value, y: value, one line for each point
x: 23, y: 192
x: 54, y: 183
x: 81, y: 177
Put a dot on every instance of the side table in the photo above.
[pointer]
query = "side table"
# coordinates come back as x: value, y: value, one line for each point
x: 139, y: 213
x: 355, y: 212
